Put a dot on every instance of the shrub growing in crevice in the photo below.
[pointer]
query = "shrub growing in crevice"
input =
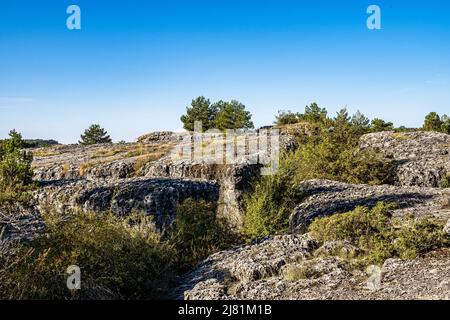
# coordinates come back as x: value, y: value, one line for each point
x: 378, y: 236
x: 268, y: 207
x: 198, y: 232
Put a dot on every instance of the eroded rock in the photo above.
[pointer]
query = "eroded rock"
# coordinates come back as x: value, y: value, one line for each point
x: 326, y: 197
x: 423, y: 158
x: 156, y: 197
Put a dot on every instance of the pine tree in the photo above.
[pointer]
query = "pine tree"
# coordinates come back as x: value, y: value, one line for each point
x: 360, y: 122
x: 219, y: 115
x: 432, y: 122
x: 200, y: 110
x: 232, y: 115
x: 94, y: 135
x: 342, y: 117
x: 313, y: 113
x: 445, y: 127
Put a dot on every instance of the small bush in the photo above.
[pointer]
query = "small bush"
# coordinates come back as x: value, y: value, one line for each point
x: 296, y: 272
x: 445, y: 181
x: 118, y: 260
x: 375, y: 233
x: 418, y: 237
x: 15, y: 171
x: 268, y: 207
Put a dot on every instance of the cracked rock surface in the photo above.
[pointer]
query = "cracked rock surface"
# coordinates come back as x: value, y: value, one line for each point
x: 326, y: 197
x: 423, y: 158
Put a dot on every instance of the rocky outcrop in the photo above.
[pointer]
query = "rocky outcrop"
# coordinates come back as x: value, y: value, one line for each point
x: 144, y: 177
x: 233, y: 181
x: 326, y: 197
x: 22, y: 224
x: 152, y: 157
x: 423, y: 158
x: 161, y: 137
x: 156, y: 197
x: 216, y: 277
x: 292, y: 266
x: 104, y: 161
x: 281, y: 268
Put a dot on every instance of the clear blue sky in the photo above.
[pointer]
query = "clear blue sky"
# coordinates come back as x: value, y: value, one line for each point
x: 136, y: 65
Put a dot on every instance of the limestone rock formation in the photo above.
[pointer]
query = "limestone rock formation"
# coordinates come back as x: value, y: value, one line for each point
x: 292, y: 267
x: 161, y: 137
x: 156, y: 197
x: 423, y: 158
x: 152, y: 157
x: 143, y: 176
x: 218, y: 274
x: 285, y: 267
x: 326, y: 197
x: 21, y: 225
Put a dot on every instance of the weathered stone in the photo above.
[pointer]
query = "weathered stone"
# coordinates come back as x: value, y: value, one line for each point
x: 251, y: 262
x: 328, y: 278
x: 326, y: 197
x: 447, y: 227
x: 21, y: 225
x: 423, y: 158
x: 156, y: 197
x: 343, y: 249
x: 161, y: 137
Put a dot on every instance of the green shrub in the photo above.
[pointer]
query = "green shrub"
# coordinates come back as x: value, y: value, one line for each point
x: 296, y: 272
x: 418, y: 237
x: 197, y: 232
x: 118, y: 260
x: 15, y: 171
x: 268, y: 207
x: 378, y: 125
x: 377, y: 235
x: 445, y: 181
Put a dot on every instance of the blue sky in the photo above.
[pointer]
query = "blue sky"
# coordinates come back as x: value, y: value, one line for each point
x: 135, y: 65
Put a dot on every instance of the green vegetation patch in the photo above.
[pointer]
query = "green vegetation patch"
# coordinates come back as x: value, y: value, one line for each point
x: 378, y: 236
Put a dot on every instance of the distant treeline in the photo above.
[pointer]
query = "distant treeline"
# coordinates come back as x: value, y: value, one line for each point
x: 39, y: 143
